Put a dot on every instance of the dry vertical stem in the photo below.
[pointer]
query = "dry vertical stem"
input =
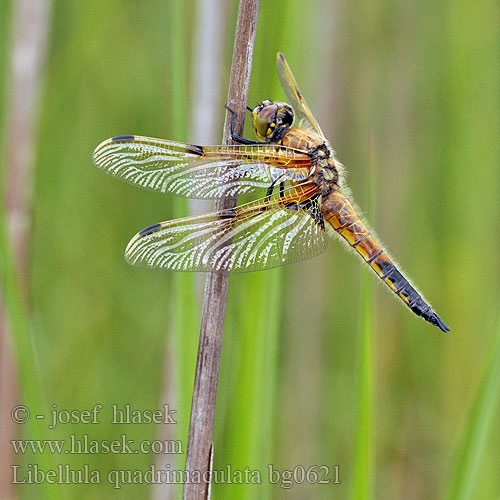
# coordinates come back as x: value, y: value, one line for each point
x: 214, y: 303
x: 30, y: 28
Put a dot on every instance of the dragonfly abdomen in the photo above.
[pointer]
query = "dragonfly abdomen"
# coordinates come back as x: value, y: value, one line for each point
x: 343, y: 217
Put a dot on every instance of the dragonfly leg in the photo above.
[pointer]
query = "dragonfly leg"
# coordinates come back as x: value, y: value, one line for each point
x: 270, y: 189
x: 235, y: 137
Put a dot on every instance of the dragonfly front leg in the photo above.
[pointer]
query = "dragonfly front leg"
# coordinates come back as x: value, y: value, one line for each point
x: 270, y: 189
x: 236, y: 137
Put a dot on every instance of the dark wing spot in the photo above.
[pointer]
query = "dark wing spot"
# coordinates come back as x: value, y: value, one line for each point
x: 195, y: 150
x: 150, y: 229
x: 317, y: 216
x: 120, y: 138
x: 227, y: 214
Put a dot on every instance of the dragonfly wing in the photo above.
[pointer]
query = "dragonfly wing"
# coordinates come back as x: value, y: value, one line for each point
x: 292, y: 91
x: 251, y: 237
x: 199, y: 171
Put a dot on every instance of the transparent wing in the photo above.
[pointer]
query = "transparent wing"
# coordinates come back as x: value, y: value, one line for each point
x: 260, y: 235
x: 292, y: 91
x: 199, y: 171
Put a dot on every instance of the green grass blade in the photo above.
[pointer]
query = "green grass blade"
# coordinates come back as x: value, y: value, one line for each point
x: 248, y: 434
x: 21, y: 331
x: 477, y: 429
x: 363, y: 453
x: 185, y: 307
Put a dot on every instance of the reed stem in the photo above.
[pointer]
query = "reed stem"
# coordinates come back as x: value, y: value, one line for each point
x: 199, y: 450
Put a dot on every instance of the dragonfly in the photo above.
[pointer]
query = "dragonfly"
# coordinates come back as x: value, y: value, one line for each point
x: 302, y: 199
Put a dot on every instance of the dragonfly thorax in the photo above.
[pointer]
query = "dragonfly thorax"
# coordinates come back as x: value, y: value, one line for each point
x: 271, y: 121
x: 325, y: 171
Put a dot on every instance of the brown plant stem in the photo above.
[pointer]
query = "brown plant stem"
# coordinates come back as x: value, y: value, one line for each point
x: 29, y: 31
x: 198, y: 456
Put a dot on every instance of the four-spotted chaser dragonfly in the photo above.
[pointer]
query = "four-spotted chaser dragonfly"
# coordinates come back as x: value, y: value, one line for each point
x: 304, y: 198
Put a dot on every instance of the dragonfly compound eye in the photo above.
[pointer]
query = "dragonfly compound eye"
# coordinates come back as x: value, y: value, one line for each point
x: 264, y: 120
x: 284, y: 116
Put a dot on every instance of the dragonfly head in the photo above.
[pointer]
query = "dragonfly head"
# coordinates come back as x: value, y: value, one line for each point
x: 272, y: 120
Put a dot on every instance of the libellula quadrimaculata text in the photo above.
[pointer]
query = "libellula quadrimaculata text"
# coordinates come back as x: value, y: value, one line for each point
x: 296, y: 168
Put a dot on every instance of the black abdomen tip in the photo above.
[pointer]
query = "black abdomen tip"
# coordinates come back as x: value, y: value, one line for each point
x: 437, y: 321
x: 120, y: 138
x: 150, y: 229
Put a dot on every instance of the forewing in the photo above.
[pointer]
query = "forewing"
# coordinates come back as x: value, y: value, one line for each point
x: 199, y: 171
x: 292, y: 91
x: 252, y: 237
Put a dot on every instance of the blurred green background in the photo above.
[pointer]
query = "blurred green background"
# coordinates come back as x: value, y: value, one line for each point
x: 408, y: 90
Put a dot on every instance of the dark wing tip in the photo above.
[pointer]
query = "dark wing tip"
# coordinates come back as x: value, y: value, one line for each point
x: 279, y: 55
x: 120, y: 138
x: 437, y: 321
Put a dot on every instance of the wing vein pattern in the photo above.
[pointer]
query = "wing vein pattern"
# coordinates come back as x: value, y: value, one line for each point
x: 256, y: 236
x: 204, y: 172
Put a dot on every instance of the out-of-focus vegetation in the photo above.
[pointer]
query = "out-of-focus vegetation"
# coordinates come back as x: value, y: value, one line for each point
x: 411, y: 87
